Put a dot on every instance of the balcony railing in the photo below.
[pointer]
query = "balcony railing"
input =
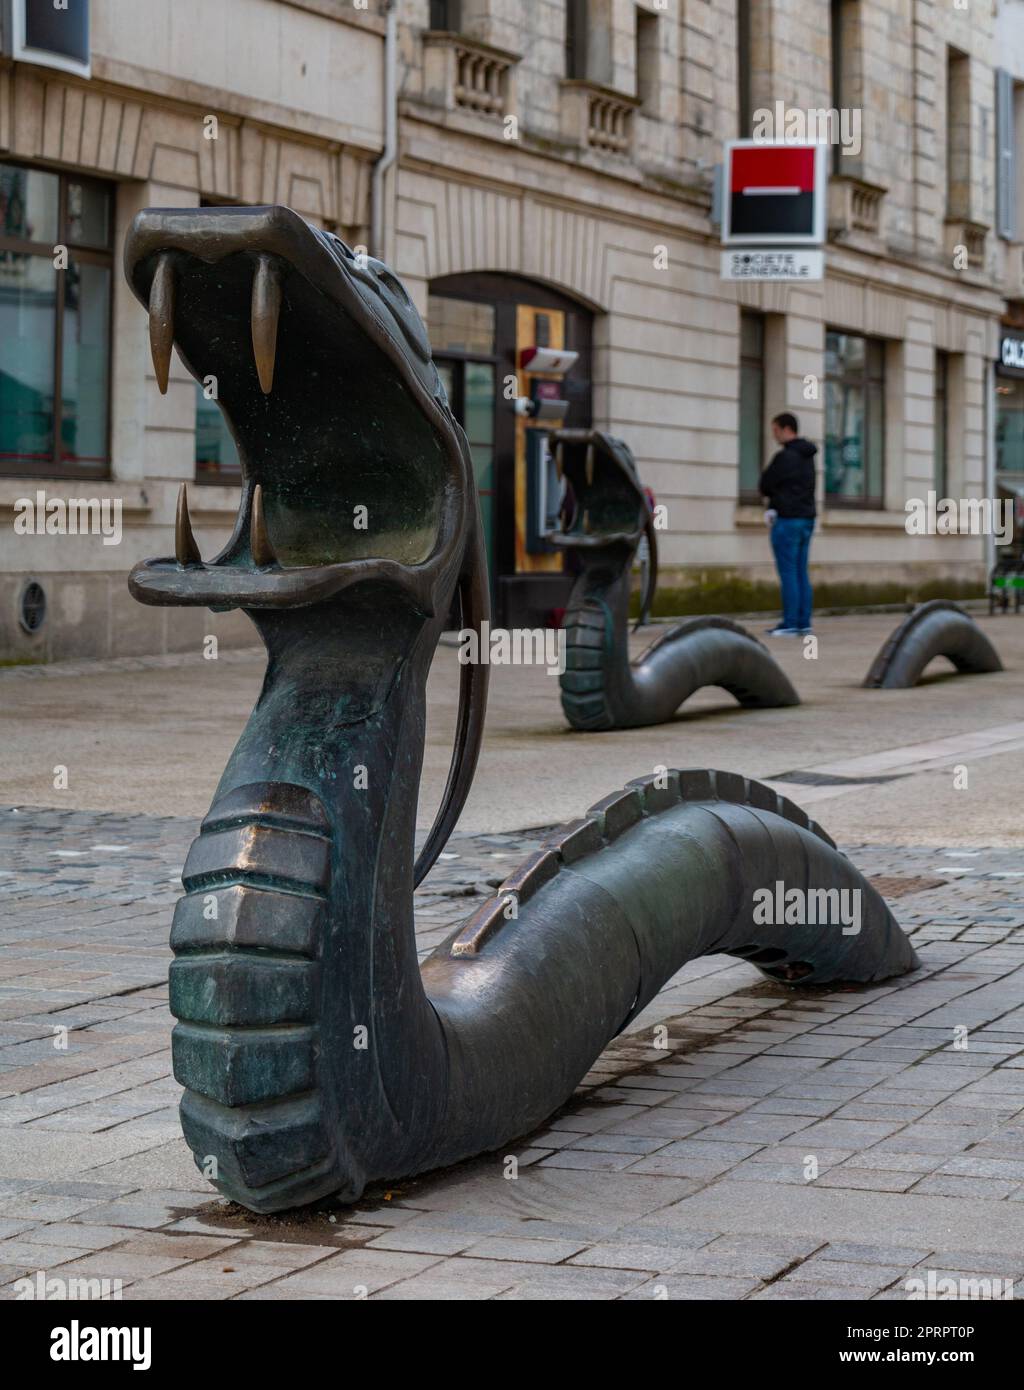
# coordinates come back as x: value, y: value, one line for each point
x: 598, y: 118
x: 972, y: 236
x: 855, y: 206
x: 609, y: 123
x: 481, y: 80
x: 462, y: 74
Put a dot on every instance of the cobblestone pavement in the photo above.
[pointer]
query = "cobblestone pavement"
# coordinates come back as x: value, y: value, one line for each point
x: 744, y: 1140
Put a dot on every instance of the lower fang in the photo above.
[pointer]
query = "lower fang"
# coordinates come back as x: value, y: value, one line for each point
x: 186, y: 552
x: 259, y: 538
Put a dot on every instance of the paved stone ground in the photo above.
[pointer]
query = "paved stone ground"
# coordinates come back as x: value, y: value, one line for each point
x: 743, y: 1141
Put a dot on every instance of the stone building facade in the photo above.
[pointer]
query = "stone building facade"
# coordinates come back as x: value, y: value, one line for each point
x: 553, y: 184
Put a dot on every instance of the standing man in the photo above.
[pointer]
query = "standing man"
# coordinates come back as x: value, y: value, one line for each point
x: 787, y: 485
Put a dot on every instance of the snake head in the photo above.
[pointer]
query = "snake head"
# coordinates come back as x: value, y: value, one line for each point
x: 611, y: 511
x: 354, y: 470
x: 357, y: 483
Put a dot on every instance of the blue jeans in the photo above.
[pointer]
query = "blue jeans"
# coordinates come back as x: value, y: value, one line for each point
x: 791, y: 542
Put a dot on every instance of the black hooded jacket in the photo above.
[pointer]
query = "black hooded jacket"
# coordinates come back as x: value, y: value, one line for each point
x: 788, y: 481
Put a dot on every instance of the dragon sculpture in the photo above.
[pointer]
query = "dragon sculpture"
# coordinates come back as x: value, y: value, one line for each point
x: 315, y: 1053
x: 601, y: 687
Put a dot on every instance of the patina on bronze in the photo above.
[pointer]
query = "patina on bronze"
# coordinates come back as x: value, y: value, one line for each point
x: 601, y: 687
x: 937, y: 628
x: 316, y: 1054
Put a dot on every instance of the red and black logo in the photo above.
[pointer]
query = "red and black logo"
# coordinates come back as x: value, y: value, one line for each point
x: 772, y: 191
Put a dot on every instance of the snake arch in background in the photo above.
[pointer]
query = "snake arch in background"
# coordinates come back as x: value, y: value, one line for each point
x: 315, y: 1053
x: 938, y: 628
x: 601, y: 687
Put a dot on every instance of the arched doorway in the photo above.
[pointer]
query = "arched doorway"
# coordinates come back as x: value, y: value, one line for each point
x: 480, y: 326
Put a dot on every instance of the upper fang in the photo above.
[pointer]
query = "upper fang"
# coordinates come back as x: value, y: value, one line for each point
x: 266, y: 309
x: 161, y: 320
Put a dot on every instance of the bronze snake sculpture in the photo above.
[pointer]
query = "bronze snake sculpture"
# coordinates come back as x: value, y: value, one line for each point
x: 601, y: 687
x: 936, y: 628
x: 316, y: 1054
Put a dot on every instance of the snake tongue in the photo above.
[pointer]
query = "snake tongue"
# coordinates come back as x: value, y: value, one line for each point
x: 161, y: 320
x: 260, y: 547
x: 266, y: 309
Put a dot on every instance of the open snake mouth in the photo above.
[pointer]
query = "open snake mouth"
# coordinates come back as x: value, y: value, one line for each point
x: 353, y: 468
x: 611, y: 511
x: 610, y: 502
x: 354, y: 471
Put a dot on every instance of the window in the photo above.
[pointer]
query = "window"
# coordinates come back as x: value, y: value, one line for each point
x: 576, y: 38
x: 216, y: 455
x: 958, y: 134
x: 847, y: 84
x: 854, y: 419
x: 752, y: 458
x: 463, y: 336
x: 54, y: 323
x: 1010, y: 425
x: 744, y: 69
x: 1008, y: 103
x: 479, y: 325
x: 217, y: 460
x: 941, y: 432
x: 445, y: 15
x: 647, y: 59
x: 461, y: 325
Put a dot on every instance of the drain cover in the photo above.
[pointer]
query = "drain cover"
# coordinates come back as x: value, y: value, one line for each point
x: 892, y: 887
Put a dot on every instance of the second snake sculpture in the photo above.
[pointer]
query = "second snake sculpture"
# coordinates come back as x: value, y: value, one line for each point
x: 601, y: 687
x: 316, y: 1053
x: 938, y: 628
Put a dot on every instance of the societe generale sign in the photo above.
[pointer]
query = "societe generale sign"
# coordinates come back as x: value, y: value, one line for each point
x: 775, y: 194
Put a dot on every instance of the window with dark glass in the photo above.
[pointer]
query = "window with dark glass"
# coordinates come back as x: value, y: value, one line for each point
x: 56, y: 232
x: 854, y: 419
x: 744, y: 69
x: 217, y: 458
x: 959, y: 134
x: 941, y: 434
x: 445, y: 15
x: 216, y: 455
x: 576, y: 38
x: 1010, y: 426
x: 846, y: 49
x: 752, y: 458
x: 463, y: 337
x: 647, y: 38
